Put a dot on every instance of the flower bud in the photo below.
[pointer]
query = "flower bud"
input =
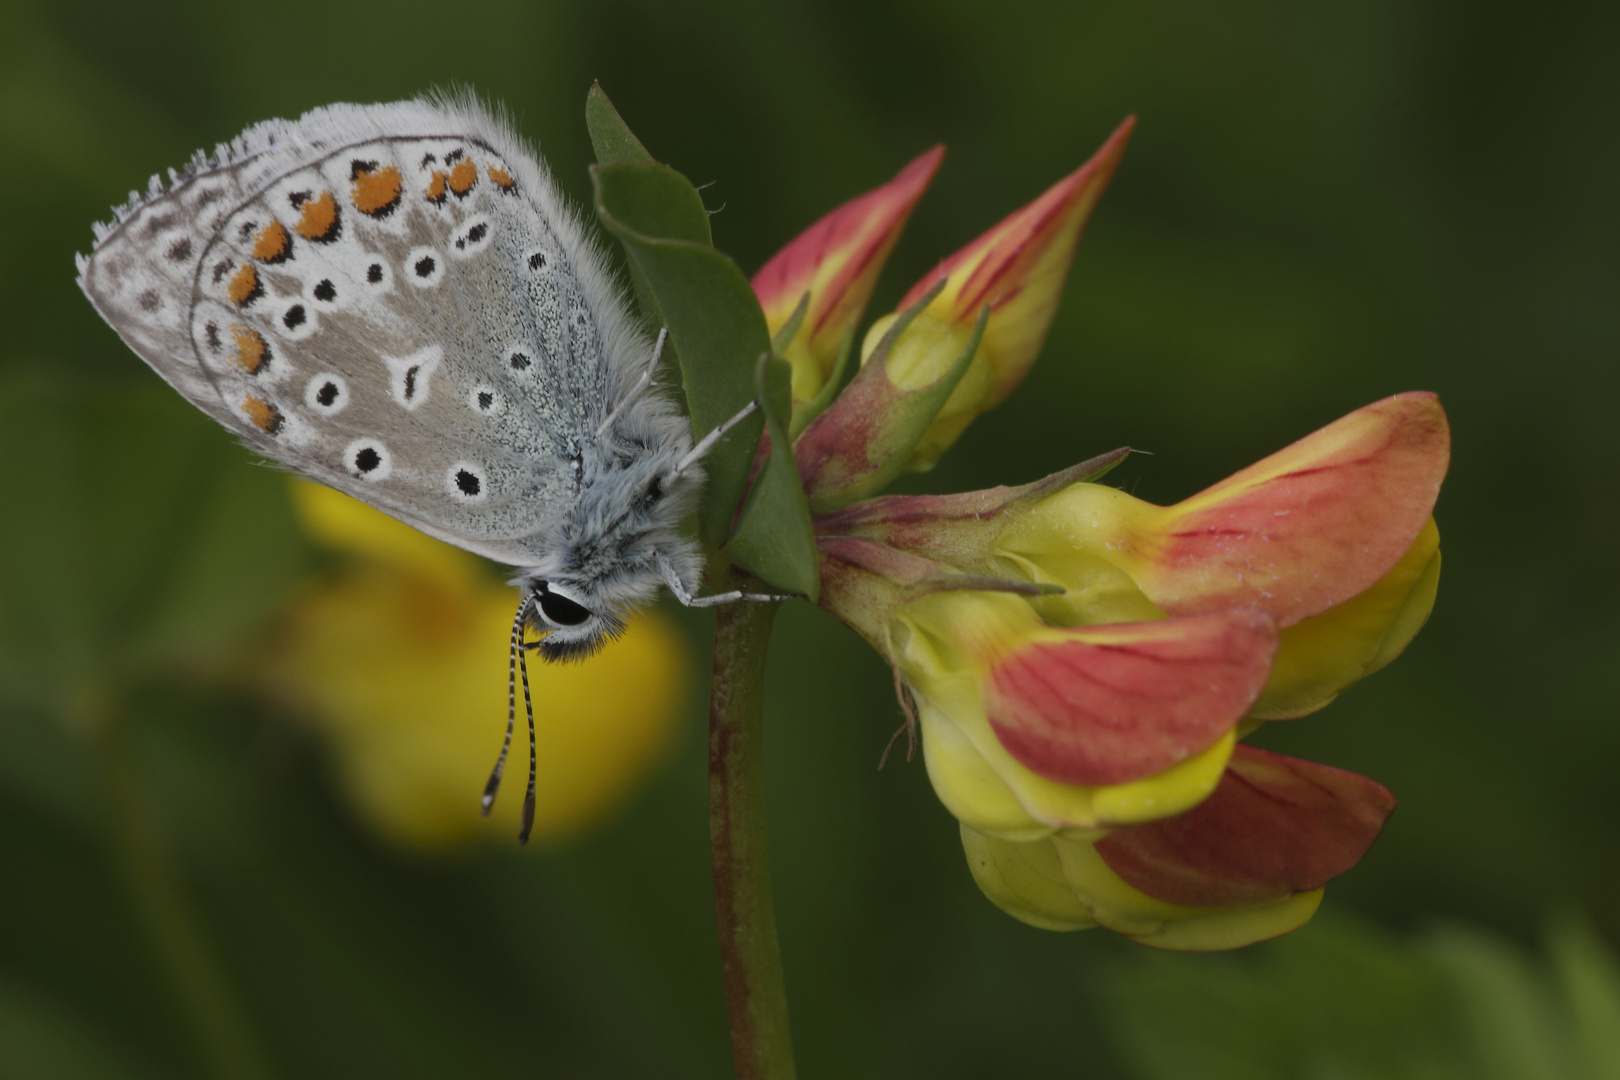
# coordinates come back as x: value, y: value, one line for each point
x: 1018, y: 268
x: 837, y: 262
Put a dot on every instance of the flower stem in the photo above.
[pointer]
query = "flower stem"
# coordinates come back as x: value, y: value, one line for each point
x: 761, y: 1043
x: 151, y: 881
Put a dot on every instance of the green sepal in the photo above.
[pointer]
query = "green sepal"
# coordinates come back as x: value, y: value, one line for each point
x: 959, y: 530
x: 806, y: 411
x: 790, y: 329
x: 773, y: 539
x: 715, y: 323
x: 865, y: 440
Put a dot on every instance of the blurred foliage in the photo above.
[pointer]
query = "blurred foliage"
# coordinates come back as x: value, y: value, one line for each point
x: 1323, y: 204
x: 1348, y: 1001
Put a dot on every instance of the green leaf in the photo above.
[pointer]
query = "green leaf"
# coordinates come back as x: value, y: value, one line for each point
x: 773, y: 539
x: 611, y: 137
x: 654, y: 201
x: 1509, y: 1011
x: 714, y: 320
x: 613, y: 141
x: 1590, y: 975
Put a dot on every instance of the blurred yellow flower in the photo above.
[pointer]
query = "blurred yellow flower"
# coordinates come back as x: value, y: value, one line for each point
x: 400, y: 660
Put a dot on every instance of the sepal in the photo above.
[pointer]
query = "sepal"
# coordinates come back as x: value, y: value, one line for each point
x: 864, y: 440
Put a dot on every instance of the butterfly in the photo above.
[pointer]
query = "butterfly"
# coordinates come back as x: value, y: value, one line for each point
x: 396, y: 301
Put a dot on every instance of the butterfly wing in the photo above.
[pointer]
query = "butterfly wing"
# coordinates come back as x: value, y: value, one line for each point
x: 392, y: 299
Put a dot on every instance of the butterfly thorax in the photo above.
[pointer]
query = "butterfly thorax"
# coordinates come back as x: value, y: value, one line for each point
x: 606, y: 560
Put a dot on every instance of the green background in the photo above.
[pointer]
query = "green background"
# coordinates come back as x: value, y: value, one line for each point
x: 1323, y: 204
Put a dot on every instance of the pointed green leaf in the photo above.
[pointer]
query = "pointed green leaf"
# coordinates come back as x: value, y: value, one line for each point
x: 773, y: 540
x: 611, y: 137
x: 715, y: 323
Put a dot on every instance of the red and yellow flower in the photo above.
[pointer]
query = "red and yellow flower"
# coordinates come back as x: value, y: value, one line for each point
x: 1083, y: 663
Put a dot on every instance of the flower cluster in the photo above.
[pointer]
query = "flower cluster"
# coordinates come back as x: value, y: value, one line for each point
x: 1082, y: 663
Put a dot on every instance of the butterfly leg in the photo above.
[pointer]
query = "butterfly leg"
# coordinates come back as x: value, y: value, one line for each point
x: 708, y: 441
x: 684, y: 595
x: 635, y: 391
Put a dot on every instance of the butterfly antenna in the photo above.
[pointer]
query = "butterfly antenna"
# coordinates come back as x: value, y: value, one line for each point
x: 697, y: 452
x: 635, y: 391
x: 494, y: 785
x: 528, y: 707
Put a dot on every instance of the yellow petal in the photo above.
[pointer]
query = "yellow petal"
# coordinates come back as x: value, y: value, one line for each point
x: 1026, y: 881
x: 1320, y: 657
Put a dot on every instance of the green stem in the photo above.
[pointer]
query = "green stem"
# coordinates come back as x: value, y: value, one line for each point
x: 761, y: 1043
x: 172, y: 928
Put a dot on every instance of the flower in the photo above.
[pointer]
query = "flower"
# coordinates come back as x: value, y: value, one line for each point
x: 836, y: 262
x: 1082, y: 660
x: 1083, y: 664
x: 1017, y: 269
x: 1246, y: 864
x: 398, y: 661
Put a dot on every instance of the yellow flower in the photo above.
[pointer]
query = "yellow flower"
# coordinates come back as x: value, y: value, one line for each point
x: 1083, y: 663
x: 400, y: 660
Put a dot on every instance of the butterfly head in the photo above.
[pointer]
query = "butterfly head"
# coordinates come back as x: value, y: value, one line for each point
x: 572, y: 628
x: 617, y: 549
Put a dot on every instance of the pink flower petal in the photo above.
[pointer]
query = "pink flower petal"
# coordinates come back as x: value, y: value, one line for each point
x: 1275, y: 826
x: 1308, y: 527
x: 837, y: 259
x: 1110, y: 704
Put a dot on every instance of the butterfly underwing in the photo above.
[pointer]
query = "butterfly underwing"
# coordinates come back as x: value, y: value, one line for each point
x: 395, y: 300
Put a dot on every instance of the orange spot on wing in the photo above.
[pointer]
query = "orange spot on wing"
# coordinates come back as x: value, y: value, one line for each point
x: 245, y: 286
x: 376, y: 191
x: 502, y: 178
x: 463, y: 177
x: 436, y: 188
x: 272, y: 244
x: 263, y: 415
x: 318, y: 218
x: 252, y: 352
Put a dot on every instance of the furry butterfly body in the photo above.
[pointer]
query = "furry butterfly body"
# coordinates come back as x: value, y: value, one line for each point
x: 395, y: 300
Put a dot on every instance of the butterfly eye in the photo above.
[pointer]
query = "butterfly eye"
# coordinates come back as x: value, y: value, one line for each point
x: 561, y: 610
